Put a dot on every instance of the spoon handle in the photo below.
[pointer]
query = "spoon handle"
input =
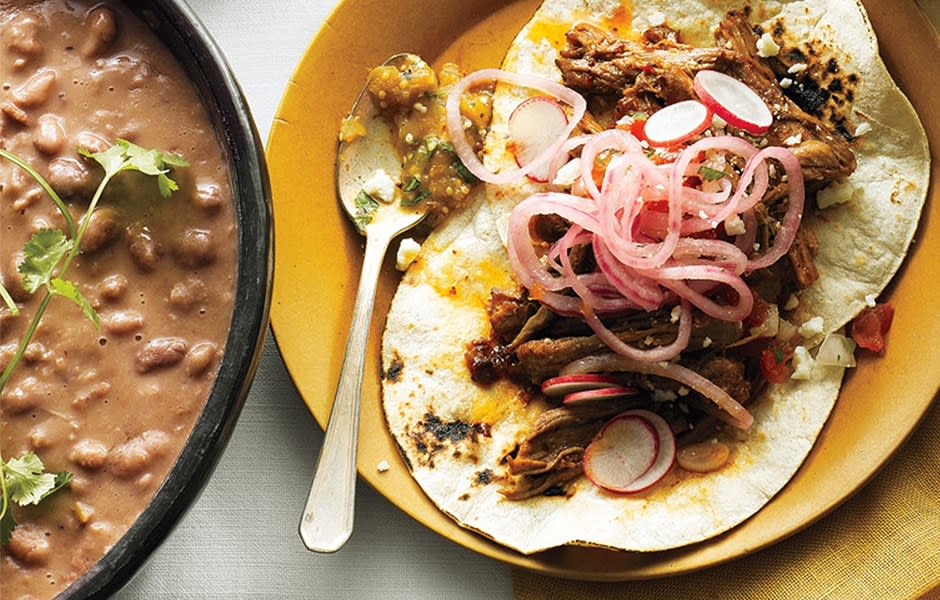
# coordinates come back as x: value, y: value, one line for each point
x: 327, y: 520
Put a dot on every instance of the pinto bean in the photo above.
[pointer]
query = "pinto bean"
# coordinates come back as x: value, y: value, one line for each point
x: 111, y: 288
x: 27, y: 394
x: 50, y: 134
x: 208, y: 196
x: 89, y: 453
x: 36, y: 90
x: 93, y: 393
x: 29, y: 544
x: 22, y: 32
x: 199, y: 358
x: 122, y: 322
x: 12, y: 279
x: 71, y: 178
x: 144, y: 249
x: 102, y: 28
x: 138, y: 453
x: 91, y: 142
x: 104, y: 226
x: 185, y: 294
x: 160, y: 352
x: 14, y: 112
x: 195, y: 248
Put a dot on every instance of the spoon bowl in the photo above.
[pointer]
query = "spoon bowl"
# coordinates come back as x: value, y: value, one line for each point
x: 327, y: 520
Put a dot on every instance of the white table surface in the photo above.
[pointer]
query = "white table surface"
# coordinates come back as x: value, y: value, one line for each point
x: 239, y: 540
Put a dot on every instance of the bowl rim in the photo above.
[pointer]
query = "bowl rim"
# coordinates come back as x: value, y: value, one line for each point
x: 181, y: 31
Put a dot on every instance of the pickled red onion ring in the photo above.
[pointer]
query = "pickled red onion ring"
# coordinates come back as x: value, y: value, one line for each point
x: 731, y: 410
x: 459, y: 139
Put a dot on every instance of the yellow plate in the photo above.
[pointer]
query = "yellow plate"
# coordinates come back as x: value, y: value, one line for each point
x: 319, y: 254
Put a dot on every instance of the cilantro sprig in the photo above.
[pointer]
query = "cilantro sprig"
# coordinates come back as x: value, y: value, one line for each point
x: 25, y: 481
x: 47, y: 256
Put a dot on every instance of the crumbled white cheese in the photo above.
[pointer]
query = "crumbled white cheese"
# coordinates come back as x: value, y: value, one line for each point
x: 663, y: 395
x: 568, y: 173
x: 786, y: 82
x: 792, y: 302
x: 706, y: 342
x: 797, y: 68
x: 811, y: 327
x: 718, y: 122
x: 793, y: 140
x: 675, y: 314
x: 766, y: 46
x: 703, y: 215
x: 870, y: 301
x: 383, y: 466
x: 734, y: 225
x: 683, y: 391
x: 409, y: 138
x: 863, y: 128
x: 407, y: 253
x: 380, y: 186
x: 835, y: 193
x: 802, y: 364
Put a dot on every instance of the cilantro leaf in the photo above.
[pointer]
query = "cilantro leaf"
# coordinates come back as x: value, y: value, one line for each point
x: 413, y: 184
x: 26, y: 479
x: 417, y: 198
x: 69, y: 290
x: 709, y: 174
x: 365, y: 209
x: 43, y: 252
x: 127, y: 156
x: 465, y: 173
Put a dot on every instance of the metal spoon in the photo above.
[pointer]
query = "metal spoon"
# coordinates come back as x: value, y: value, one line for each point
x: 327, y: 520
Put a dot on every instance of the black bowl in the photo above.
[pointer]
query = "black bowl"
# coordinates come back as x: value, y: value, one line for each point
x: 180, y: 30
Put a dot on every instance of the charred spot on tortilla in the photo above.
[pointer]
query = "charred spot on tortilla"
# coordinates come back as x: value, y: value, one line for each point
x: 483, y: 477
x: 432, y: 435
x: 393, y: 373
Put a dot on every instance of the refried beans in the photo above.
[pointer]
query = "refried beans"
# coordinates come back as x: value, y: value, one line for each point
x: 112, y: 405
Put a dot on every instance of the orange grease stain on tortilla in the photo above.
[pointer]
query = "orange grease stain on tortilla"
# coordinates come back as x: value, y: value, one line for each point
x: 491, y: 405
x: 553, y: 31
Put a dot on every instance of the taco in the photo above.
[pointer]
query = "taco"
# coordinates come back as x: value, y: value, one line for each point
x: 526, y: 287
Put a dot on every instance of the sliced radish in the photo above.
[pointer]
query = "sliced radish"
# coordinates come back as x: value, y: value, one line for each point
x: 534, y: 125
x: 607, y: 393
x: 677, y: 123
x: 624, y: 449
x: 733, y: 101
x: 556, y: 387
x: 665, y: 457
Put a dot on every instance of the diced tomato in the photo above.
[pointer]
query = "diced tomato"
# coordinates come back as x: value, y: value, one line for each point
x: 637, y: 128
x: 870, y: 326
x: 758, y: 312
x: 775, y: 362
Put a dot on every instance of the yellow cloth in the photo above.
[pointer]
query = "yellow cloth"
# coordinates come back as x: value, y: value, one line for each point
x: 882, y: 544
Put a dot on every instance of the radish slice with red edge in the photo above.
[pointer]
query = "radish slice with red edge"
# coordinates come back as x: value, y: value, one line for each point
x: 535, y: 125
x: 665, y: 457
x: 677, y: 123
x: 556, y: 387
x: 458, y: 137
x: 733, y: 101
x: 607, y: 393
x: 624, y: 449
